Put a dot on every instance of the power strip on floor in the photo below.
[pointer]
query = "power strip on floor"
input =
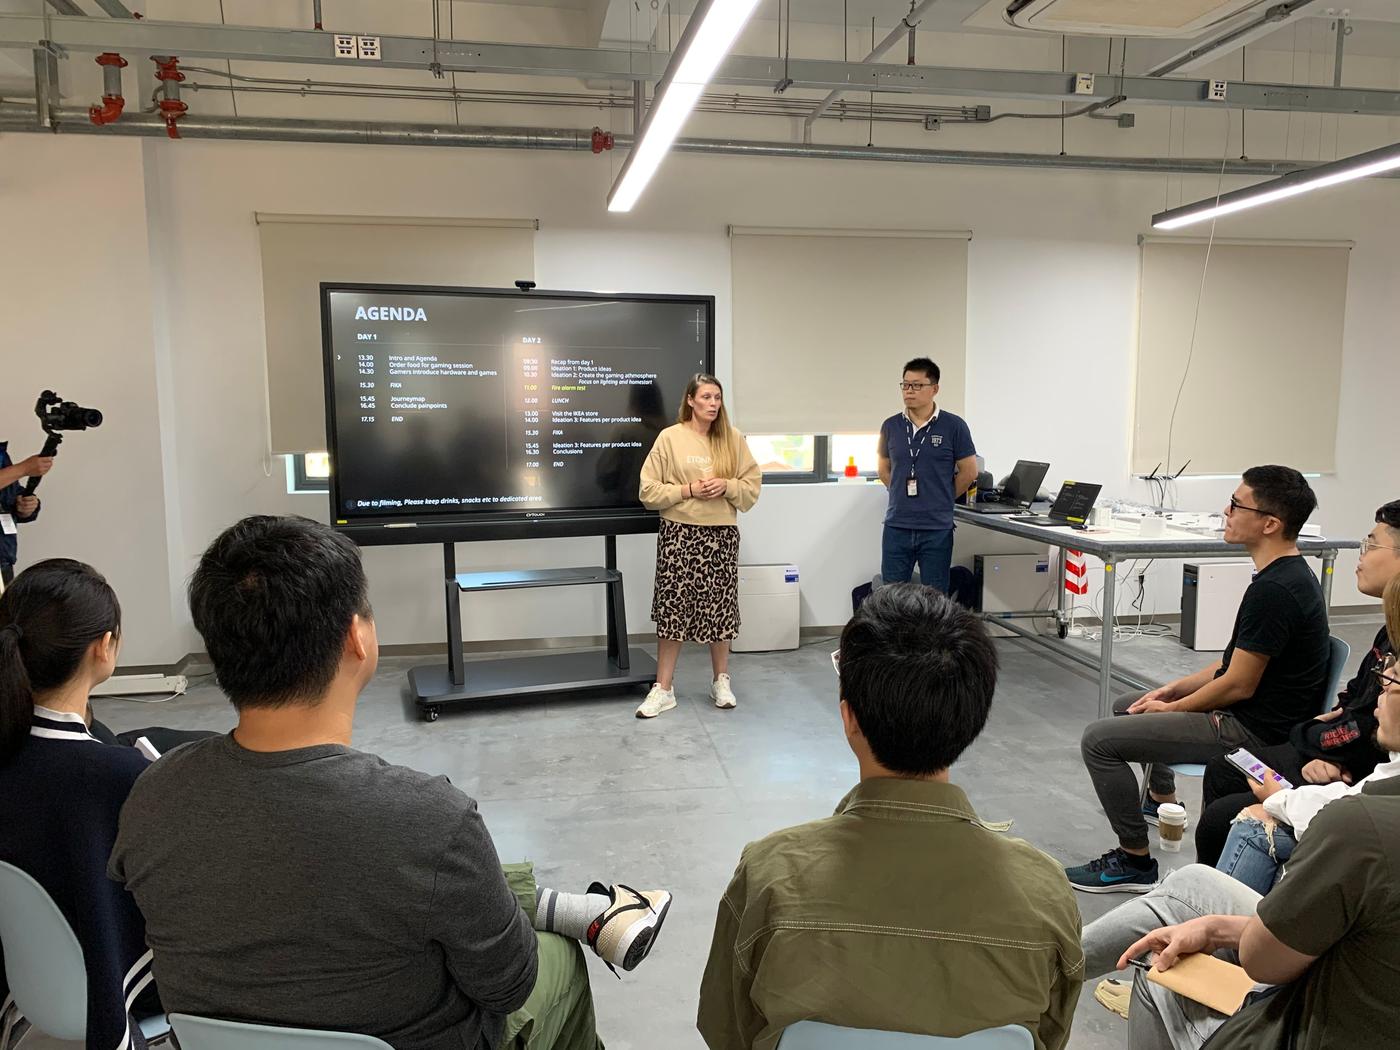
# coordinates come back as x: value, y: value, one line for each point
x: 142, y: 684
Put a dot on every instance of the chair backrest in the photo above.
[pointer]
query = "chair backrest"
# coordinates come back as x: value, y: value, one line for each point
x: 815, y: 1035
x: 43, y: 959
x: 1338, y: 653
x: 207, y: 1033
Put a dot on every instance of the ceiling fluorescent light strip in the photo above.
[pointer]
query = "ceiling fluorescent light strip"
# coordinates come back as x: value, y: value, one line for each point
x: 713, y: 27
x: 1362, y: 166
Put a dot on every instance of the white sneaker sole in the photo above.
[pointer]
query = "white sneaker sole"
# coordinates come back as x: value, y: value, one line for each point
x: 1117, y: 887
x: 724, y: 705
x: 637, y: 943
x: 642, y: 712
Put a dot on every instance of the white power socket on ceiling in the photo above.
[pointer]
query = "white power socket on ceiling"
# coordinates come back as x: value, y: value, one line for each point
x: 345, y: 46
x: 369, y: 47
x: 1084, y: 83
x: 1217, y: 91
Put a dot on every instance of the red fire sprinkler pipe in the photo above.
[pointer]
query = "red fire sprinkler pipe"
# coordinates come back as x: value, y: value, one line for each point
x: 601, y: 140
x: 112, y: 102
x: 170, y: 106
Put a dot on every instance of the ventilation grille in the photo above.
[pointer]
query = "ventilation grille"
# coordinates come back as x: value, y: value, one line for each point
x: 1166, y: 18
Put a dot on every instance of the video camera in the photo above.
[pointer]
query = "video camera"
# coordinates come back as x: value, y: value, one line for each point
x: 56, y: 415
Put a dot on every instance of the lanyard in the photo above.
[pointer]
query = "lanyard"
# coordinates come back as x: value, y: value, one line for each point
x: 916, y: 447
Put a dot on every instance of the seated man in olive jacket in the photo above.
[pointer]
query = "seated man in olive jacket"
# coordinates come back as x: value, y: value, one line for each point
x: 903, y: 911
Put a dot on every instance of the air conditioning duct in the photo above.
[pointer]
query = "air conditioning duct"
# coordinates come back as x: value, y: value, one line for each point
x: 1133, y: 18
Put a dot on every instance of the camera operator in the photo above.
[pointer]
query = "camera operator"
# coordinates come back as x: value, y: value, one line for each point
x: 15, y: 507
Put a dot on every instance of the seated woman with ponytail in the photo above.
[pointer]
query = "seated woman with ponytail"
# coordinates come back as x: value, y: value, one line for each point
x: 61, y: 788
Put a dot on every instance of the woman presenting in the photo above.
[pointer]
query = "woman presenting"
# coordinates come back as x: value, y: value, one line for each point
x: 699, y: 475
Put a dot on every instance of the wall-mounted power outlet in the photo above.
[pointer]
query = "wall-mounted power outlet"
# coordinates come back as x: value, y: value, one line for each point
x: 1084, y: 83
x: 345, y: 46
x: 369, y: 47
x: 1217, y: 91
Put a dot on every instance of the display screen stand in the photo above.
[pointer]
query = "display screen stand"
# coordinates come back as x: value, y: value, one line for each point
x: 436, y: 686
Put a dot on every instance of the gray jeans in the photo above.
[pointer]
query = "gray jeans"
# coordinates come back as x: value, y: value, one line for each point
x: 1159, y: 1019
x: 1111, y: 745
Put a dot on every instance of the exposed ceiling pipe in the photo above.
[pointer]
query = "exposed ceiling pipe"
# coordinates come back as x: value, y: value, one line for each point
x: 265, y: 129
x: 1237, y: 37
x: 114, y: 8
x: 907, y: 25
x: 112, y: 101
x: 67, y: 7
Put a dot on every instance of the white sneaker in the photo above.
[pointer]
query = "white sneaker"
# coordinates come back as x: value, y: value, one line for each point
x: 657, y: 700
x: 721, y: 694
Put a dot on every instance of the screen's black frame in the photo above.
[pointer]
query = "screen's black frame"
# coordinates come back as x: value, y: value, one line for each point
x: 456, y: 526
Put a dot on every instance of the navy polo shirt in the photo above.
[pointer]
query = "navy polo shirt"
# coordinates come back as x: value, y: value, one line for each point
x: 931, y: 454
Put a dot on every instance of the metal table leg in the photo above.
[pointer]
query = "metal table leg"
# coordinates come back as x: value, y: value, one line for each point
x: 1106, y: 646
x: 1329, y: 562
x: 1061, y: 615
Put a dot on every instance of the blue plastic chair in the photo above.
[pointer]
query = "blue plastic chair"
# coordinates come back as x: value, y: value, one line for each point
x: 1338, y: 653
x: 207, y: 1033
x: 815, y: 1035
x: 44, y: 962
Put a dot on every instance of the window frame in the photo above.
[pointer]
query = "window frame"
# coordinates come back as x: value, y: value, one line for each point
x: 301, y: 481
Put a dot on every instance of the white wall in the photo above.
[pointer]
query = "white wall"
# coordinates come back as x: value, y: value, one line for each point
x: 133, y: 282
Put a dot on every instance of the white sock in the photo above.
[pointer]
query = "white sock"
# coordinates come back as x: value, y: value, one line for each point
x: 568, y: 914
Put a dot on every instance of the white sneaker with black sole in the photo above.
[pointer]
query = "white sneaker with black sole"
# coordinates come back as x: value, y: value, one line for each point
x: 722, y: 694
x: 626, y: 932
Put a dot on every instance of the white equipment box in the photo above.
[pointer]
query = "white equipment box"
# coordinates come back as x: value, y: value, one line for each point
x: 1211, y: 592
x: 770, y: 609
x: 1012, y: 582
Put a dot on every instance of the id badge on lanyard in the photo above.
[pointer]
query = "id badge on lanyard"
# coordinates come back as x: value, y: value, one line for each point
x: 911, y: 484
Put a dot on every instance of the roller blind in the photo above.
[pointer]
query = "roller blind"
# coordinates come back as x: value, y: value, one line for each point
x: 825, y: 319
x: 301, y: 251
x: 1264, y: 379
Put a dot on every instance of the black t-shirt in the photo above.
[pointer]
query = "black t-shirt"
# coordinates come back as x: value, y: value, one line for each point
x: 1282, y: 616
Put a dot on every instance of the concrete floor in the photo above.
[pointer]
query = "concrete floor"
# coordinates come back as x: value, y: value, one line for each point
x: 589, y: 792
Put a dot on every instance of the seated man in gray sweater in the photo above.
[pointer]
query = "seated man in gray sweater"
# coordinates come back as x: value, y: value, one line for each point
x: 289, y: 879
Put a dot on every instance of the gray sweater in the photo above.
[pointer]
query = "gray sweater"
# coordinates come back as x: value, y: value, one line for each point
x: 324, y: 888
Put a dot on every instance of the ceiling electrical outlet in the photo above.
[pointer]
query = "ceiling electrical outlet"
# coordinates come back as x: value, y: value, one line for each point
x: 932, y: 123
x: 345, y: 46
x: 369, y: 47
x: 1084, y: 83
x: 1217, y: 91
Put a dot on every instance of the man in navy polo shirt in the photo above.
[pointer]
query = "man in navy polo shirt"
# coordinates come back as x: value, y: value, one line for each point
x: 927, y: 460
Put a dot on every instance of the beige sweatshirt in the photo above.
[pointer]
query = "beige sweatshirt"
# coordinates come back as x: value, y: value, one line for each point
x: 681, y: 456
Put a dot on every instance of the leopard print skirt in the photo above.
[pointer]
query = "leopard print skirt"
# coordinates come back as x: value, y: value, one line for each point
x: 697, y: 582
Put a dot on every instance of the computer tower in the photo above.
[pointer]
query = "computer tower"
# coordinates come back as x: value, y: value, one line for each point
x: 1210, y: 597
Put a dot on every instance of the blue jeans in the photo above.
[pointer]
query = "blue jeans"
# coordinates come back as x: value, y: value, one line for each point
x: 1255, y: 853
x: 931, y: 548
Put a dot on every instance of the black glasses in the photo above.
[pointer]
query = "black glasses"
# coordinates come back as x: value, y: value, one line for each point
x: 913, y: 386
x: 1380, y: 672
x: 1237, y: 505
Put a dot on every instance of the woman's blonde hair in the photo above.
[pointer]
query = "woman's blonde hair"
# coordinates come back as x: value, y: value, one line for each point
x: 723, y: 440
x: 1391, y: 602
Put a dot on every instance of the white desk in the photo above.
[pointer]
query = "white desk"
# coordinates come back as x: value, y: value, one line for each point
x: 1113, y: 545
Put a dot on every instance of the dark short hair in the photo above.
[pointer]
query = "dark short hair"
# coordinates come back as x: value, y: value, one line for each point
x: 1284, y: 493
x: 273, y: 598
x: 926, y: 366
x: 1389, y: 514
x: 918, y: 671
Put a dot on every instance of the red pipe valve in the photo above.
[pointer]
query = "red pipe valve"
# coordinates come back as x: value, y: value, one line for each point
x: 602, y: 140
x: 112, y: 102
x: 170, y: 106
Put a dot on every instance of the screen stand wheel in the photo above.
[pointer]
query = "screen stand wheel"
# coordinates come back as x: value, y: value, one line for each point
x: 617, y: 668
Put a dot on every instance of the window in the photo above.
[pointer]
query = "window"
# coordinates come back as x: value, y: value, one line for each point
x: 809, y: 458
x: 859, y: 447
x: 309, y: 472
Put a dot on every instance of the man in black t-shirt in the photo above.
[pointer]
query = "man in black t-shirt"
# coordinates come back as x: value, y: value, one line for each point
x: 1271, y: 677
x: 1339, y: 746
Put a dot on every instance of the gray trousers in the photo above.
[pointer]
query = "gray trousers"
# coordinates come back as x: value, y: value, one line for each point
x: 1110, y: 746
x: 1159, y: 1019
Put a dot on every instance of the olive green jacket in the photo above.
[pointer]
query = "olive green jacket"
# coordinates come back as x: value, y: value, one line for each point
x: 904, y: 912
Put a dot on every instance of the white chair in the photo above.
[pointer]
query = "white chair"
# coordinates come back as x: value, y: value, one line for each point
x: 44, y: 962
x: 207, y: 1033
x: 816, y: 1035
